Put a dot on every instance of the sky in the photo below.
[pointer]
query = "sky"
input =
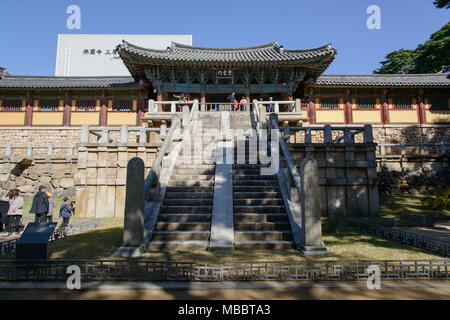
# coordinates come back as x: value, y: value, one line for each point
x: 29, y: 29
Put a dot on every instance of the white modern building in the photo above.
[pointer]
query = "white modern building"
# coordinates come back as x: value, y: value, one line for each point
x: 95, y: 54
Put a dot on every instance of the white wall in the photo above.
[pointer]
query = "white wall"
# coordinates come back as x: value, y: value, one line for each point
x: 72, y: 59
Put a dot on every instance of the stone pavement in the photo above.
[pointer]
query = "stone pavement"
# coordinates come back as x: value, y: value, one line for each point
x: 274, y: 290
x: 438, y: 234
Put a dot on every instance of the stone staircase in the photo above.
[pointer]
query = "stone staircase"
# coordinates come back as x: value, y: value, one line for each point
x: 184, y: 221
x: 260, y: 218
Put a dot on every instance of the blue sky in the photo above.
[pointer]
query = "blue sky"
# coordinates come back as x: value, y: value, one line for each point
x: 29, y: 28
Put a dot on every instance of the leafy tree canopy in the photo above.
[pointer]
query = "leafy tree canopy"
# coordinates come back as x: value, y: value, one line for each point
x: 442, y: 3
x: 429, y: 57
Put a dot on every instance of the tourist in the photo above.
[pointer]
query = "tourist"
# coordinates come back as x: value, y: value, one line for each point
x: 243, y: 104
x: 51, y: 207
x: 270, y: 107
x: 40, y: 205
x: 65, y: 212
x: 15, y: 211
x: 4, y: 207
x: 231, y: 98
x: 181, y: 98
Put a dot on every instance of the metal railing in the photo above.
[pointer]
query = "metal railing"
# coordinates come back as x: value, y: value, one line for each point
x: 145, y: 270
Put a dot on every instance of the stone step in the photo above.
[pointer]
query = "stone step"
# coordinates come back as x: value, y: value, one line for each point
x: 256, y: 188
x: 262, y: 235
x: 187, y: 172
x: 262, y: 245
x: 260, y: 217
x: 189, y: 195
x: 255, y: 177
x: 184, y: 217
x: 185, y: 209
x: 249, y: 166
x: 256, y: 195
x: 258, y: 202
x: 180, y: 235
x: 182, y: 226
x: 178, y: 245
x: 246, y: 172
x: 259, y: 183
x: 262, y: 226
x: 192, y: 189
x: 188, y: 202
x: 192, y: 166
x: 259, y: 209
x: 202, y: 177
x: 192, y: 183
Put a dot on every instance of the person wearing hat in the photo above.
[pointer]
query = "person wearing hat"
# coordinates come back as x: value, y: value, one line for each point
x: 65, y: 211
x: 51, y: 207
x: 15, y: 211
x: 40, y: 205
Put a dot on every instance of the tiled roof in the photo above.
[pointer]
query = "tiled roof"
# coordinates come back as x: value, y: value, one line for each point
x: 396, y: 80
x: 271, y: 54
x: 66, y: 82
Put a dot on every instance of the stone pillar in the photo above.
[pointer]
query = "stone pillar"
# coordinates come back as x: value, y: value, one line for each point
x: 123, y: 134
x: 133, y: 233
x: 186, y: 117
x: 372, y: 176
x: 311, y: 209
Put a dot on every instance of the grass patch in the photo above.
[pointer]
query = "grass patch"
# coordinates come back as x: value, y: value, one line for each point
x: 348, y: 244
x: 392, y: 206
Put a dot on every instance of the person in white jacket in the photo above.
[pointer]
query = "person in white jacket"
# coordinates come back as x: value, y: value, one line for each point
x: 15, y: 211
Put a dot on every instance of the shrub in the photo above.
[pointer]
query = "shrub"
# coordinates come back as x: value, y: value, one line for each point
x: 437, y: 199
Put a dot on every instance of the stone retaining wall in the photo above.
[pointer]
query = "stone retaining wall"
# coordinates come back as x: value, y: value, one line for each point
x: 70, y: 136
x: 56, y: 173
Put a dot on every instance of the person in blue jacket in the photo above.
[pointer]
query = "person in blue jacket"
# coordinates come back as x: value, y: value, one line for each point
x: 65, y: 212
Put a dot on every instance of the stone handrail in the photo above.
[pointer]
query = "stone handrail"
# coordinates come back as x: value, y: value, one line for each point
x: 154, y: 106
x: 50, y: 150
x: 349, y: 133
x: 422, y: 146
x: 304, y: 207
x: 102, y: 133
x: 223, y: 106
x: 151, y: 189
x: 293, y: 172
x: 294, y: 106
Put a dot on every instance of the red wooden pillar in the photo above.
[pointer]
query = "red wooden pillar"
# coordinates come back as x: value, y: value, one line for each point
x: 312, y: 112
x: 385, y: 112
x: 29, y: 114
x: 104, y: 114
x: 140, y: 112
x: 348, y: 113
x: 66, y: 115
x: 422, y: 117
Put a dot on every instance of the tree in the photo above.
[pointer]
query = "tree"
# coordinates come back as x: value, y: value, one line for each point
x: 433, y: 55
x: 442, y: 3
x: 429, y: 57
x: 398, y: 62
